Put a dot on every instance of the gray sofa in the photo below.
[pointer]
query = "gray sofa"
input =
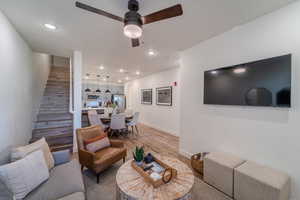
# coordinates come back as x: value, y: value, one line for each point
x: 65, y: 181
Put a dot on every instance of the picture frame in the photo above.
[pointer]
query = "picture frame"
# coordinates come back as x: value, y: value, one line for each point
x: 164, y: 96
x: 146, y: 96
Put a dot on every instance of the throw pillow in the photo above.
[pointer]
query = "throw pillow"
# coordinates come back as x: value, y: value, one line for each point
x: 98, y: 145
x: 94, y: 139
x: 24, y: 175
x: 41, y: 144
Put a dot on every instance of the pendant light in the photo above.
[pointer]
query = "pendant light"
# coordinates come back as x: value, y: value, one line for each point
x: 87, y: 89
x: 107, y: 90
x: 98, y: 90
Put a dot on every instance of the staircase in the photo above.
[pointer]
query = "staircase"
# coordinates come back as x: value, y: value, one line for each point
x: 54, y: 122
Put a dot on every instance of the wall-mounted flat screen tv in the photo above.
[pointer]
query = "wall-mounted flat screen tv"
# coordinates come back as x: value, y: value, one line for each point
x: 261, y: 83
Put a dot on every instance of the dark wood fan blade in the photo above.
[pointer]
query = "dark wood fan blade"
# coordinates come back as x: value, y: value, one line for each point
x: 135, y: 42
x: 173, y: 11
x: 98, y: 11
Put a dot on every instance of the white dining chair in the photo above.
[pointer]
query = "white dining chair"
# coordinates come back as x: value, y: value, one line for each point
x: 128, y: 111
x: 94, y: 119
x: 106, y: 112
x: 117, y: 123
x: 110, y: 110
x: 121, y: 110
x: 133, y: 123
x: 93, y: 111
x: 115, y: 111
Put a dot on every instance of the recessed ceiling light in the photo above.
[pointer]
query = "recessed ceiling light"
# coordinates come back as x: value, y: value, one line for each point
x: 151, y: 52
x: 50, y: 26
x: 239, y: 70
x: 121, y: 70
x: 104, y: 79
x: 101, y: 67
x: 127, y: 78
x: 137, y: 73
x: 119, y: 81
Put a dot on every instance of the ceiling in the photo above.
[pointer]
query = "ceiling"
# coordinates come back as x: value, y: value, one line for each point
x: 102, y: 41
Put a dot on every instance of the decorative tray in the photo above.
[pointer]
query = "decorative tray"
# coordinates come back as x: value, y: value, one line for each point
x: 167, y: 173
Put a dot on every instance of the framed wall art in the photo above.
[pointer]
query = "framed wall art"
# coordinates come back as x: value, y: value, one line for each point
x: 146, y: 96
x: 164, y: 96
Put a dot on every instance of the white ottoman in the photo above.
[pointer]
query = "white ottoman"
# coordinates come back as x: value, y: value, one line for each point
x: 218, y: 170
x: 256, y: 182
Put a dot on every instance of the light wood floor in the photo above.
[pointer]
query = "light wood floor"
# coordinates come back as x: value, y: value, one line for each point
x: 155, y: 141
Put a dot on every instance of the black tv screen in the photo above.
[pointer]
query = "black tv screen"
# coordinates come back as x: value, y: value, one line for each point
x: 261, y: 83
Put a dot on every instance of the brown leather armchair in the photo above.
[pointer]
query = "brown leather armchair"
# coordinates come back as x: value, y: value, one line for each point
x: 103, y: 158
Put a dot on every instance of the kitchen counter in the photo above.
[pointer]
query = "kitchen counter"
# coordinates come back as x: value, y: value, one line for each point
x: 98, y: 108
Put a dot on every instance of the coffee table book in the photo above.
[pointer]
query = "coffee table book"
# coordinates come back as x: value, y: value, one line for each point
x: 146, y: 176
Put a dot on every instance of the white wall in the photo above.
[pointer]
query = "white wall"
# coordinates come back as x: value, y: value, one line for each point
x: 267, y: 135
x: 22, y: 78
x: 77, y: 73
x: 165, y: 118
x: 58, y: 61
x: 41, y: 69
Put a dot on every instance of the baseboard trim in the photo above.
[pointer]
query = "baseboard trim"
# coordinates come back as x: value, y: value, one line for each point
x: 158, y: 129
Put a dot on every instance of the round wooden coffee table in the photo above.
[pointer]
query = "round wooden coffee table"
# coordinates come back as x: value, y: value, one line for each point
x: 132, y: 186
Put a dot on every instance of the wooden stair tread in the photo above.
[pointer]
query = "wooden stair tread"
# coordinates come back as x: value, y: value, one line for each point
x: 37, y: 136
x: 54, y: 122
x: 38, y: 129
x: 57, y: 136
x: 54, y: 117
x: 54, y: 137
x: 61, y: 147
x: 56, y: 105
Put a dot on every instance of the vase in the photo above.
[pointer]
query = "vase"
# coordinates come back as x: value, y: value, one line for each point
x: 139, y: 163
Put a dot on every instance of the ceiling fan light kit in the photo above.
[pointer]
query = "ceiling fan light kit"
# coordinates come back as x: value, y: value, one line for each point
x: 133, y: 21
x: 133, y: 31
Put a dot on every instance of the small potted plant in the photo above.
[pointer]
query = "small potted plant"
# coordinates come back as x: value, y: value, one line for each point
x: 138, y: 155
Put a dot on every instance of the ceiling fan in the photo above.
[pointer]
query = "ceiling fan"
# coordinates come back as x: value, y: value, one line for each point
x: 133, y: 21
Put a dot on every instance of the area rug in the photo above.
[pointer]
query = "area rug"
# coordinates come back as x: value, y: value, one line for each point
x: 106, y: 189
